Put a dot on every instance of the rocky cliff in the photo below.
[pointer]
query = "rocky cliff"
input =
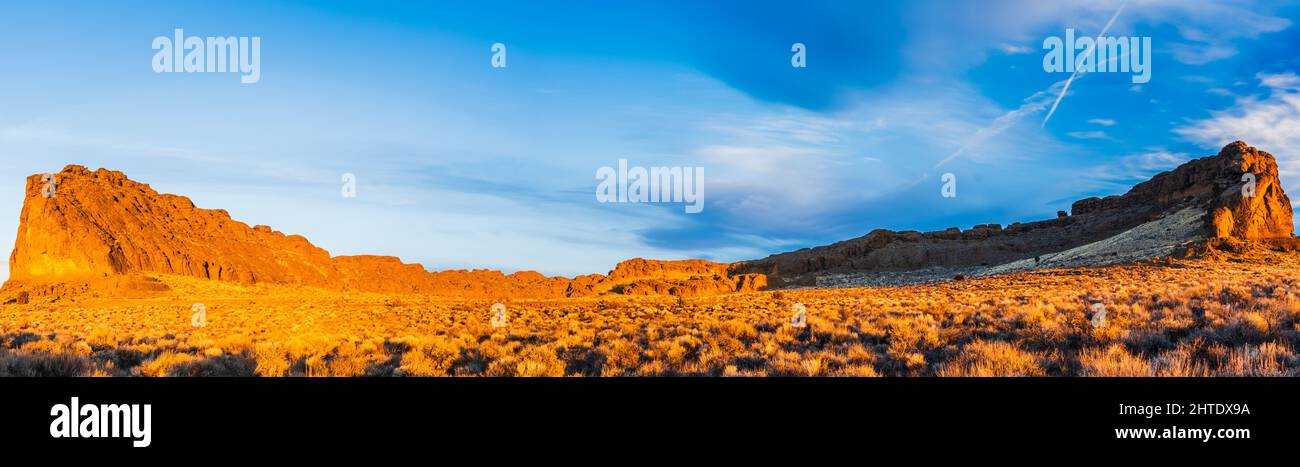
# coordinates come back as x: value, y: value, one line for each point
x: 80, y: 227
x: 1204, y: 198
x: 99, y: 227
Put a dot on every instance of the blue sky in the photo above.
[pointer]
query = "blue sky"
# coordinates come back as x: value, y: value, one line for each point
x: 462, y: 165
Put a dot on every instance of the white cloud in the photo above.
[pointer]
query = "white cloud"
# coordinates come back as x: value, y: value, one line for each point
x: 1035, y: 103
x: 780, y: 167
x: 1011, y: 49
x: 1220, y: 92
x: 1200, y: 54
x: 963, y: 33
x: 1088, y: 135
x: 1288, y: 81
x: 787, y: 170
x: 1155, y: 161
x: 1270, y: 121
x: 1121, y: 174
x: 1102, y: 121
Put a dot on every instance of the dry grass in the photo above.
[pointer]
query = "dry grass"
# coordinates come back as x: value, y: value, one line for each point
x: 982, y: 358
x: 1187, y: 318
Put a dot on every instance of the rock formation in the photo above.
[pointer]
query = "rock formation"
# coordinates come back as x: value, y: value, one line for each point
x: 101, y: 228
x: 80, y: 229
x: 99, y: 223
x: 1203, y: 198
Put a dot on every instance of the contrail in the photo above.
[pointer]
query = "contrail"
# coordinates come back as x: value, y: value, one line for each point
x: 1076, y: 70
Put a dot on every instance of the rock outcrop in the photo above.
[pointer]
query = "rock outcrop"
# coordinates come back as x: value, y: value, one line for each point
x: 688, y: 278
x: 82, y: 228
x: 103, y: 229
x: 93, y: 224
x: 1239, y: 188
x: 1235, y: 194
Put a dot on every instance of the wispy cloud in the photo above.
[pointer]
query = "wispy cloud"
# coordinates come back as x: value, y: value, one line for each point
x: 1200, y: 54
x: 461, y: 168
x: 1011, y: 49
x: 1122, y: 173
x: 1032, y: 105
x: 1077, y: 72
x: 1269, y: 121
x: 1088, y: 135
x: 1212, y: 25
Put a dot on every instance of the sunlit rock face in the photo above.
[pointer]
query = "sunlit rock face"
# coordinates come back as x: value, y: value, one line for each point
x: 1235, y: 194
x: 94, y: 226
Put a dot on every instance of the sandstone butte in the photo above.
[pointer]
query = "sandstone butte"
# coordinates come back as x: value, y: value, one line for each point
x: 1199, y: 202
x: 102, y: 230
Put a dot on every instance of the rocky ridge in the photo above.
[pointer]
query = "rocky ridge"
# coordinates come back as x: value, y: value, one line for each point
x: 92, y: 229
x: 83, y: 229
x: 1210, y: 197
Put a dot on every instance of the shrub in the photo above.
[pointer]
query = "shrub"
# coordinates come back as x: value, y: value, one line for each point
x: 1112, y: 361
x: 998, y: 358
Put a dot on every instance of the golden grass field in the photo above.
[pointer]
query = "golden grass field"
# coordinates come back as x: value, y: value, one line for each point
x: 1238, y: 316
